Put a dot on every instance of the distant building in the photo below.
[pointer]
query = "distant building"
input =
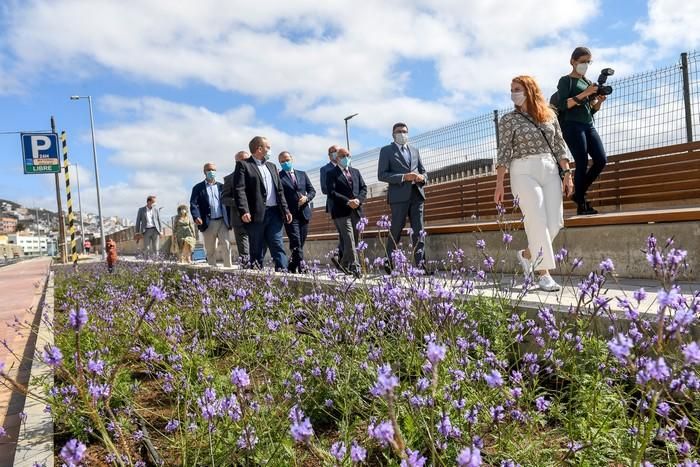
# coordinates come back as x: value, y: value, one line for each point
x: 8, y: 224
x: 31, y: 245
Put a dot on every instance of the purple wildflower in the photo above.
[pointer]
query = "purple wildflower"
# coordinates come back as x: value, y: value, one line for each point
x: 414, y: 459
x: 621, y: 347
x: 301, y: 428
x: 338, y: 450
x: 52, y: 355
x: 494, y: 379
x: 507, y: 238
x: 386, y: 382
x: 247, y: 440
x: 435, y: 352
x: 239, y: 378
x: 481, y: 244
x: 383, y: 433
x: 542, y: 404
x: 157, y: 293
x: 357, y: 453
x: 77, y: 319
x: 691, y: 353
x: 469, y: 457
x: 72, y: 453
x: 172, y: 425
x: 607, y: 266
x: 96, y: 367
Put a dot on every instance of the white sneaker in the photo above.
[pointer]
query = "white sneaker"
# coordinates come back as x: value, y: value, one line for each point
x: 548, y: 284
x: 524, y: 263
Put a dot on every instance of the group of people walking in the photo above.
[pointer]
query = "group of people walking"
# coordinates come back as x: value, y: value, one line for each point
x: 257, y: 200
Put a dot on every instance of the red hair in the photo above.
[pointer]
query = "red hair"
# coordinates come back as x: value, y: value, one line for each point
x: 537, y: 106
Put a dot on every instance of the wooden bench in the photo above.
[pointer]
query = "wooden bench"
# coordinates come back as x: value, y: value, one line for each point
x: 655, y: 185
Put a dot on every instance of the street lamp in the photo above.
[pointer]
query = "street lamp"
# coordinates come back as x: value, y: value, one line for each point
x: 347, y: 138
x: 80, y: 206
x: 97, y: 174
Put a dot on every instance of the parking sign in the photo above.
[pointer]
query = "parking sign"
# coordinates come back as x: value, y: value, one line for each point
x: 40, y: 152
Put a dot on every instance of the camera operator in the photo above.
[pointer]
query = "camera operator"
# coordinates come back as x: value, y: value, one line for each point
x: 578, y: 100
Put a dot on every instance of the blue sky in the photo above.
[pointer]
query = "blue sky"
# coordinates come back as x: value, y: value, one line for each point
x: 177, y: 84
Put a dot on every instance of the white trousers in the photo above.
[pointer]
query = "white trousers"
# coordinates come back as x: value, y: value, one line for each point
x: 216, y: 230
x: 535, y: 181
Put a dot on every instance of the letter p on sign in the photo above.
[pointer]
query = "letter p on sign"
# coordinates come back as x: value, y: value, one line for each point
x: 39, y: 143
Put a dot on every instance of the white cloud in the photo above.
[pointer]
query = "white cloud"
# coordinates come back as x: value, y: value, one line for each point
x: 672, y: 24
x: 314, y: 56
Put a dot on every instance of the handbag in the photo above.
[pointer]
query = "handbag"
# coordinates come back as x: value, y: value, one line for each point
x: 551, y: 150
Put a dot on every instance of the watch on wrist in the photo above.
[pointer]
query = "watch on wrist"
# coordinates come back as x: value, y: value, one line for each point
x: 566, y: 171
x: 577, y: 100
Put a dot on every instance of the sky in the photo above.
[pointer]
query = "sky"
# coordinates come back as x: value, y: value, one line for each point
x: 178, y: 84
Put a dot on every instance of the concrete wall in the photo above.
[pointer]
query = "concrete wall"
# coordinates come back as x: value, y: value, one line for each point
x: 622, y: 243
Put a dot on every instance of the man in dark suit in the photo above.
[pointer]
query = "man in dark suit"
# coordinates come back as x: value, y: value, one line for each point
x: 228, y: 198
x: 261, y: 204
x: 148, y: 227
x: 332, y: 154
x: 401, y: 167
x: 298, y: 193
x: 347, y: 188
x: 210, y: 215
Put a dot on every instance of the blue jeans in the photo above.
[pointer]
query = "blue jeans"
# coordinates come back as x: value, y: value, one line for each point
x: 583, y: 140
x: 267, y: 234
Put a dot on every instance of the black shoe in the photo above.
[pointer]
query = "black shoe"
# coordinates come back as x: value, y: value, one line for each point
x: 387, y: 267
x: 356, y: 273
x: 589, y: 209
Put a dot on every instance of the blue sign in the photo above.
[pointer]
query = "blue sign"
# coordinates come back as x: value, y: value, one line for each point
x: 41, y: 153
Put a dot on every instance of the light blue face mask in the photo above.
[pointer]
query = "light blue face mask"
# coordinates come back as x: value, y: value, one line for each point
x: 211, y: 174
x: 268, y: 154
x: 344, y: 162
x: 286, y: 166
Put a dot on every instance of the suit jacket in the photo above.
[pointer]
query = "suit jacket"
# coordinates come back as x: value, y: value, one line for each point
x: 228, y: 197
x: 250, y: 194
x: 392, y: 166
x: 293, y: 192
x: 141, y: 220
x: 341, y: 192
x: 199, y: 204
x: 324, y: 171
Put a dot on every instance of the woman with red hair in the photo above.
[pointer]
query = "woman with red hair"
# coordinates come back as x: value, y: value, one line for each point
x: 530, y: 146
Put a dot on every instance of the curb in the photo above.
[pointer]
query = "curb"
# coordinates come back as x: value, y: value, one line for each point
x: 35, y: 442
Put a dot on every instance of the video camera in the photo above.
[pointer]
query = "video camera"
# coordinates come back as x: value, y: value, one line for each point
x: 604, y: 90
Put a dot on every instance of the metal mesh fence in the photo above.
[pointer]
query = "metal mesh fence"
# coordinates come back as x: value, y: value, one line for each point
x: 645, y: 111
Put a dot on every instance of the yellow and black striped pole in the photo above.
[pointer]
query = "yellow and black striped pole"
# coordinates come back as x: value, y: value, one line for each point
x: 71, y: 215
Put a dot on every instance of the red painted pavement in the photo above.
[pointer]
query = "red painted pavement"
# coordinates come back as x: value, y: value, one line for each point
x: 21, y: 286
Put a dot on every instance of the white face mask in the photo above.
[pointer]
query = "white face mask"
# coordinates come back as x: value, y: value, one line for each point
x: 581, y: 68
x: 401, y: 138
x: 517, y: 97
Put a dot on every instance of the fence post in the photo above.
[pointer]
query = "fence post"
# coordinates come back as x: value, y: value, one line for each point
x: 686, y: 97
x: 495, y: 124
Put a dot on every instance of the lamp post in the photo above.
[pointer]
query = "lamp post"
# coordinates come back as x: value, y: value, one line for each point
x: 80, y: 206
x: 97, y: 174
x: 347, y: 137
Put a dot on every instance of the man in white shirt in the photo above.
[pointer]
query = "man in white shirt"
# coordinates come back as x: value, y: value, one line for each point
x: 148, y: 227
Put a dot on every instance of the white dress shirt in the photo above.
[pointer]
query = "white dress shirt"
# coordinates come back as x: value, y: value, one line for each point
x: 271, y: 199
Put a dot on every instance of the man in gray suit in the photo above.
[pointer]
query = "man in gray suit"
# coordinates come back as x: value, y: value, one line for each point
x: 228, y: 198
x: 401, y: 167
x: 148, y: 227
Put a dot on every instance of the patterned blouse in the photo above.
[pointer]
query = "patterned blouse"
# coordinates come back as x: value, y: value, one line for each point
x: 519, y: 136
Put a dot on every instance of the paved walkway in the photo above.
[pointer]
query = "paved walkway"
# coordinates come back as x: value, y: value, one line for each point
x: 21, y: 286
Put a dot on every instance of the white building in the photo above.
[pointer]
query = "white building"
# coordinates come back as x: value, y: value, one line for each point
x: 31, y: 245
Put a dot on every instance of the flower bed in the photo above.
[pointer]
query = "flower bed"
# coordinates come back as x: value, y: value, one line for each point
x: 155, y: 364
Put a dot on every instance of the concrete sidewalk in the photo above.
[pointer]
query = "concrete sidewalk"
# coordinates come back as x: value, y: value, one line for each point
x: 21, y: 288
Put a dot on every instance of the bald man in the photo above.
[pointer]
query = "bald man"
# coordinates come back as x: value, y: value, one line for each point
x: 229, y: 199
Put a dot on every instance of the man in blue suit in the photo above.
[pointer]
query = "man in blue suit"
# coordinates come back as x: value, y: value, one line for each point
x: 401, y: 167
x: 298, y: 192
x: 329, y: 167
x: 210, y: 215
